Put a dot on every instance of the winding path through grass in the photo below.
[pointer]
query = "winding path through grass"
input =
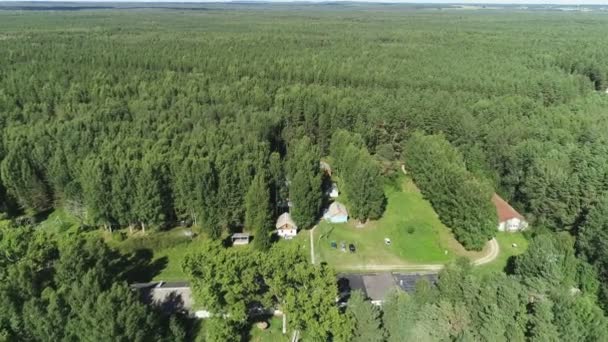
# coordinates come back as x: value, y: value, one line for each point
x: 493, y: 252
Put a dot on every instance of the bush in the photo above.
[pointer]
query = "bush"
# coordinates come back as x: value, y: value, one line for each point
x: 385, y: 151
x: 119, y: 236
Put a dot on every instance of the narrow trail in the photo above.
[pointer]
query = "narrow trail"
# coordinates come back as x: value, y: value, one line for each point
x: 492, y: 254
x: 408, y: 268
x: 312, y: 245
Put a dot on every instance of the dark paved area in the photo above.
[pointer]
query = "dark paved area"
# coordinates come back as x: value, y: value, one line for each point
x: 376, y: 286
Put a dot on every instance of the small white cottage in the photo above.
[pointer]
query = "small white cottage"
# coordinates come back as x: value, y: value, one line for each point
x: 286, y: 227
x: 333, y: 192
x: 240, y: 239
x: 509, y: 220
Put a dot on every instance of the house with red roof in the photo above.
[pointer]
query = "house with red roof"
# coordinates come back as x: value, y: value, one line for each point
x: 509, y: 220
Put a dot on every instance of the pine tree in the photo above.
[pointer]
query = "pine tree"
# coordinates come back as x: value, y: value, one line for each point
x: 207, y: 197
x: 540, y: 326
x: 257, y: 214
x: 24, y: 181
x: 97, y: 192
x: 305, y: 195
x: 305, y: 187
x: 148, y: 206
x: 400, y: 313
x: 364, y: 187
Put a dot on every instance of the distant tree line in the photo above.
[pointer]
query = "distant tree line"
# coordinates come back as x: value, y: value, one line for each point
x: 161, y: 113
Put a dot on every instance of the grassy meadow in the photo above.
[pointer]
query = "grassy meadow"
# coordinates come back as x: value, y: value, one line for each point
x: 511, y: 244
x: 416, y: 233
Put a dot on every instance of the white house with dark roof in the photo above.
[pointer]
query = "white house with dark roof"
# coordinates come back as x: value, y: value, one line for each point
x: 286, y: 227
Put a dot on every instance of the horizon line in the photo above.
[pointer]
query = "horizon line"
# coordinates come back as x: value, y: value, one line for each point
x: 377, y: 2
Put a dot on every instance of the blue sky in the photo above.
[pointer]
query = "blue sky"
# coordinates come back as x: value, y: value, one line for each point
x: 565, y: 2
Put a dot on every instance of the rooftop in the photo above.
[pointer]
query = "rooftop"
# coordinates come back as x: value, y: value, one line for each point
x: 504, y: 210
x: 285, y: 220
x: 377, y: 286
x: 337, y: 209
x: 170, y: 297
x: 240, y: 236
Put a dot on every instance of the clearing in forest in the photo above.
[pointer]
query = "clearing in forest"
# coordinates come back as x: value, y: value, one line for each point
x: 418, y: 238
x: 417, y: 235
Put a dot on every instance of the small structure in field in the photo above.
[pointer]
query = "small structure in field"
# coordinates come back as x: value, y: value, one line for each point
x: 333, y: 191
x: 240, y: 239
x: 336, y: 213
x: 262, y: 325
x: 509, y: 220
x: 286, y: 227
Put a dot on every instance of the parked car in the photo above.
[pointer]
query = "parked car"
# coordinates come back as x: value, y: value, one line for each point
x: 351, y: 248
x: 387, y: 241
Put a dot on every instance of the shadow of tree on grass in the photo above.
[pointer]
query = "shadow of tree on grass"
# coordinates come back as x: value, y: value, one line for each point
x: 140, y: 266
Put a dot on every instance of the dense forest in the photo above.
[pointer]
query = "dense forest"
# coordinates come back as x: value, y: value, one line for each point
x: 73, y: 289
x: 150, y: 119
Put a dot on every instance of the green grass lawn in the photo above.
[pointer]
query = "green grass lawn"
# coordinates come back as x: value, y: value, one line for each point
x: 58, y: 221
x: 505, y: 241
x: 171, y: 247
x: 272, y: 334
x: 174, y: 257
x: 416, y: 233
x: 168, y: 249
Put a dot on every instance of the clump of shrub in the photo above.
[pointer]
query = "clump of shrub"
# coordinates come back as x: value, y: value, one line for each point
x: 119, y: 236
